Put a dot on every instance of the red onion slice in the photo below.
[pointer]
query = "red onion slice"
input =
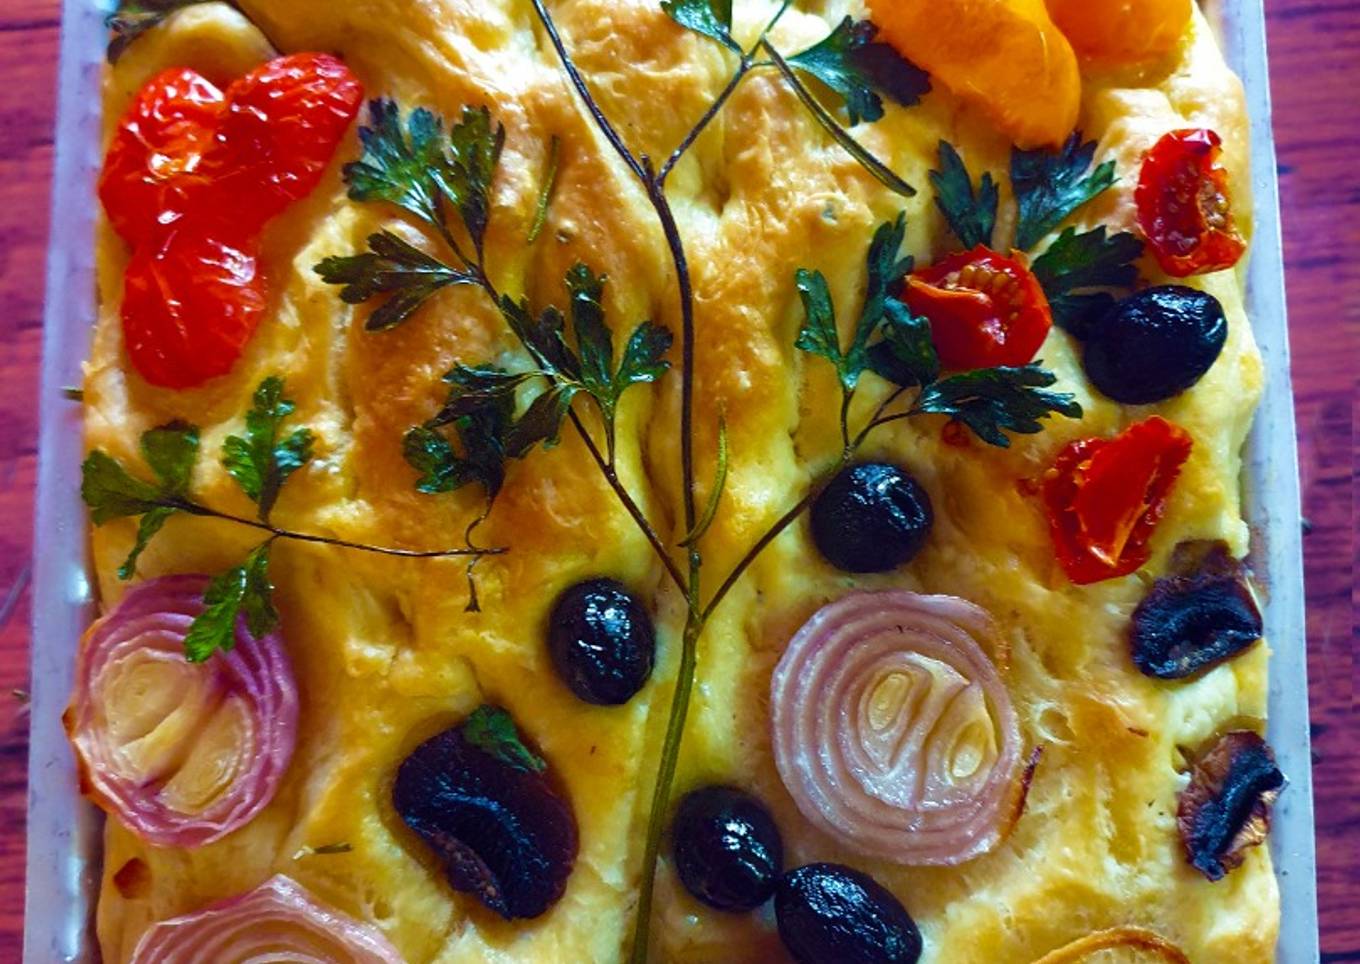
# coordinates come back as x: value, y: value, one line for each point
x: 892, y: 730
x: 277, y: 921
x: 184, y: 753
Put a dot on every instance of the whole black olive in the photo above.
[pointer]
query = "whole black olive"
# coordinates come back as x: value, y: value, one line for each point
x: 601, y: 642
x: 727, y: 849
x: 873, y: 517
x: 1189, y: 623
x: 479, y: 798
x: 1155, y: 344
x: 829, y: 914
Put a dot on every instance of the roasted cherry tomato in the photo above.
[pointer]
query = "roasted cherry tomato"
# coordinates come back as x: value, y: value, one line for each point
x: 282, y: 124
x: 1105, y: 497
x: 190, y: 303
x: 152, y: 167
x: 1183, y: 208
x: 984, y: 308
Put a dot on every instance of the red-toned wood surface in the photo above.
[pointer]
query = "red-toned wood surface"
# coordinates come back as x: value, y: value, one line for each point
x: 1315, y: 56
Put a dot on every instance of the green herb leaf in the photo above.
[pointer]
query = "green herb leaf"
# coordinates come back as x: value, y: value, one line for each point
x: 261, y: 462
x: 545, y: 191
x: 171, y: 450
x: 993, y: 401
x: 475, y: 152
x: 242, y: 590
x: 705, y: 520
x: 492, y: 730
x: 819, y: 335
x: 111, y: 493
x: 432, y: 455
x: 480, y: 406
x: 390, y: 266
x: 876, y: 168
x: 147, y: 526
x: 858, y: 69
x: 473, y: 389
x: 544, y: 336
x: 594, y: 341
x: 644, y: 356
x: 541, y: 421
x: 406, y: 168
x: 1050, y: 186
x: 133, y: 18
x: 971, y: 215
x: 711, y: 18
x: 906, y: 355
x: 1076, y: 266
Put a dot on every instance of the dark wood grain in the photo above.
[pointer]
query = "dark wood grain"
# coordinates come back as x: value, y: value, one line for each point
x: 1315, y: 53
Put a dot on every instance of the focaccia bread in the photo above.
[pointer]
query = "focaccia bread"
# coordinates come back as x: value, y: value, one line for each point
x: 384, y: 651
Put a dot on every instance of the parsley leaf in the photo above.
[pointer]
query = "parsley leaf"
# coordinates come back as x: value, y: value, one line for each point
x: 111, y: 492
x: 541, y: 421
x: 906, y: 355
x: 1050, y: 186
x: 390, y: 266
x: 711, y: 18
x: 643, y: 356
x: 480, y: 407
x: 132, y: 18
x: 593, y: 337
x: 993, y: 401
x: 492, y: 730
x: 476, y: 151
x: 545, y: 191
x: 240, y: 591
x: 262, y: 461
x: 858, y: 69
x: 819, y: 335
x: 971, y: 215
x: 1074, y: 264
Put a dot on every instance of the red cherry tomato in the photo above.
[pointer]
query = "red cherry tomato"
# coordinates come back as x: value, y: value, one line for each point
x: 190, y: 304
x: 152, y: 166
x: 282, y: 124
x: 984, y: 308
x: 1105, y: 497
x: 1183, y: 208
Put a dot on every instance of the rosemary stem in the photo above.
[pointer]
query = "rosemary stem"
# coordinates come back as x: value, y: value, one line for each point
x: 194, y: 508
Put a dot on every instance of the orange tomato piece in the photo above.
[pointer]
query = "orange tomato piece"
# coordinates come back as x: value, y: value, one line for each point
x: 1122, y: 31
x: 1006, y: 56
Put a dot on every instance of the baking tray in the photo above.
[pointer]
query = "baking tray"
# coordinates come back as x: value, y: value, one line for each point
x: 63, y: 830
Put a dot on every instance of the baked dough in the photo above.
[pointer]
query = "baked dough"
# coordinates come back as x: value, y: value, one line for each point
x: 385, y: 654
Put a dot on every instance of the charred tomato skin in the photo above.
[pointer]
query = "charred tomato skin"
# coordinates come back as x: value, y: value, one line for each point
x: 1155, y: 344
x: 501, y: 832
x: 727, y: 849
x: 1226, y: 807
x: 1187, y: 624
x: 827, y: 912
x: 601, y: 641
x: 872, y: 517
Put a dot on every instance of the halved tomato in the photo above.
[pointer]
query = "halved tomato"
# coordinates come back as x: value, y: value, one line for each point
x: 1183, y: 208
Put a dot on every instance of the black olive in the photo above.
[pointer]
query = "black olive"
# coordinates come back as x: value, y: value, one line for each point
x: 1188, y: 623
x: 829, y: 914
x: 1155, y: 344
x: 1226, y: 807
x: 727, y: 849
x: 482, y: 803
x: 873, y: 517
x: 601, y: 642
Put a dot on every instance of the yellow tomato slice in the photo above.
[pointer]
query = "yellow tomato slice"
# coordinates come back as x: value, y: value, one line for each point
x: 1004, y: 55
x: 1121, y: 31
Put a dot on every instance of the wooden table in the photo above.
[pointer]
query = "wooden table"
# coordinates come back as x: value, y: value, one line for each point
x: 1315, y: 51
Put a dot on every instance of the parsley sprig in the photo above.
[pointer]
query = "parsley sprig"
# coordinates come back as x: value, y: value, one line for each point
x: 971, y: 214
x: 1050, y: 186
x: 1079, y: 271
x: 260, y: 462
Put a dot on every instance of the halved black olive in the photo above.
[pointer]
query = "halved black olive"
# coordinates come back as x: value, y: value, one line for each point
x: 727, y: 849
x: 482, y: 802
x: 1188, y: 623
x: 601, y: 642
x: 1155, y: 344
x: 873, y: 517
x: 829, y: 913
x: 1226, y: 807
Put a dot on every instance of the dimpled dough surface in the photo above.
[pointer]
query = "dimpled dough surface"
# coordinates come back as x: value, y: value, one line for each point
x: 384, y: 652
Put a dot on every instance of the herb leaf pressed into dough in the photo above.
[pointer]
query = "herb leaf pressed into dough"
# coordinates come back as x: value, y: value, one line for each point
x: 393, y: 267
x: 261, y: 461
x: 1049, y: 186
x: 1076, y: 267
x: 492, y: 731
x: 858, y: 69
x: 243, y: 590
x: 993, y: 401
x: 711, y: 18
x: 971, y: 214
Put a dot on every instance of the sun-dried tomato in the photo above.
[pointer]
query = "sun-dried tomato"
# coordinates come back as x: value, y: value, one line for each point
x: 1183, y: 206
x: 1105, y: 497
